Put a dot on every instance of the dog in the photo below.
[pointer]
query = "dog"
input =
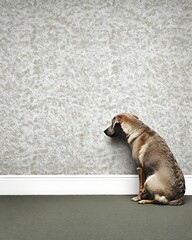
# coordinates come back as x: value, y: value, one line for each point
x: 160, y: 177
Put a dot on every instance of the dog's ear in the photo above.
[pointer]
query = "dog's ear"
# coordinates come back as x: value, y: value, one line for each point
x: 116, y: 119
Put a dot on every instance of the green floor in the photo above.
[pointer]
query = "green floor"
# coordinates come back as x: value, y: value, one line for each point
x: 91, y: 218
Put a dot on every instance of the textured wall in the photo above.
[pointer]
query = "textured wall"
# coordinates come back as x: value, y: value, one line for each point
x: 68, y: 66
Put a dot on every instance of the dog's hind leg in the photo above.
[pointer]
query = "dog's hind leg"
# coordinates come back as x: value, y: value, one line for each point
x: 154, y: 186
x: 141, y: 185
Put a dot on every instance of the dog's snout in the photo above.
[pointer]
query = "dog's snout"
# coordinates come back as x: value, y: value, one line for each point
x: 105, y: 131
x: 110, y: 132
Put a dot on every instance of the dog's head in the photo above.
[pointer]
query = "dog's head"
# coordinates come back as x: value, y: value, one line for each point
x: 122, y: 124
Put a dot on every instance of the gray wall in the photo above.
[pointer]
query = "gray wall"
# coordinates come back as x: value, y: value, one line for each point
x: 68, y: 66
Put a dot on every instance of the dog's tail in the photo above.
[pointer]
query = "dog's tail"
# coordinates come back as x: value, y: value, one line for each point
x: 176, y: 202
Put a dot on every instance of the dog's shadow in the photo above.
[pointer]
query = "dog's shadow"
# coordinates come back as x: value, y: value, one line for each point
x: 121, y: 144
x: 120, y: 141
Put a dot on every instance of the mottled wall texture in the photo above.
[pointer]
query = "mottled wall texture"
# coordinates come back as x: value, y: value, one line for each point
x: 67, y: 67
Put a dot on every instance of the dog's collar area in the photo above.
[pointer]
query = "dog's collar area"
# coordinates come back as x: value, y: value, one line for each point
x: 133, y: 137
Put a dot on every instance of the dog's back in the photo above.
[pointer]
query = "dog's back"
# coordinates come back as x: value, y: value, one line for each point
x: 164, y: 178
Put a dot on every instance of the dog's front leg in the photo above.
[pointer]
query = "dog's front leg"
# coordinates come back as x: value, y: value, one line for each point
x: 141, y: 185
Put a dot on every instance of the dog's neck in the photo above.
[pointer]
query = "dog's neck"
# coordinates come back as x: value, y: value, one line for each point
x: 134, y: 136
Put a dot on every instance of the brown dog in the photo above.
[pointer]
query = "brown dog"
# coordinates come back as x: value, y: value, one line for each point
x: 160, y: 178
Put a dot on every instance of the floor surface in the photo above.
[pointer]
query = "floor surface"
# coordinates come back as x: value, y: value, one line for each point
x: 91, y: 218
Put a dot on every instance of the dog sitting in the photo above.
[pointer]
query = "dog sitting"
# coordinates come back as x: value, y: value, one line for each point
x: 160, y: 177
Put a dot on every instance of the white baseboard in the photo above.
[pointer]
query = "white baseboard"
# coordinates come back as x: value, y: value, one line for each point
x: 73, y: 184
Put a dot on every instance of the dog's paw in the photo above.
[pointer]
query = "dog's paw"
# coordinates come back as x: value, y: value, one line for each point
x: 146, y: 201
x: 141, y: 202
x: 136, y: 199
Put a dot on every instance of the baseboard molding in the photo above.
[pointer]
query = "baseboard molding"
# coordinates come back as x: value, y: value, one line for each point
x: 73, y: 184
